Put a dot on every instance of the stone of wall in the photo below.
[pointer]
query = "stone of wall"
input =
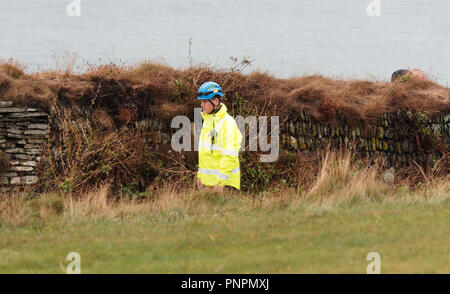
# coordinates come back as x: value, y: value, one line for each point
x: 400, y: 136
x: 23, y: 133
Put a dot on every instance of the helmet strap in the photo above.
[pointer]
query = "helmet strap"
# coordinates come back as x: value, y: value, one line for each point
x: 216, y: 108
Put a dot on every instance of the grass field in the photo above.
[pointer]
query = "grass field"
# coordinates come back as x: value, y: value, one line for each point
x: 329, y: 229
x: 208, y: 233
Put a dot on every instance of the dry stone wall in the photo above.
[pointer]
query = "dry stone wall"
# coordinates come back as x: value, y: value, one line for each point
x: 23, y: 133
x: 400, y: 136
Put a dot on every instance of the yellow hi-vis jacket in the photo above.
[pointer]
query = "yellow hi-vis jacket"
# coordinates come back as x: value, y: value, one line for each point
x: 218, y: 150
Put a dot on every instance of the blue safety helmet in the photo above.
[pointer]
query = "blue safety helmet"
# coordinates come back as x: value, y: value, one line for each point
x: 209, y: 90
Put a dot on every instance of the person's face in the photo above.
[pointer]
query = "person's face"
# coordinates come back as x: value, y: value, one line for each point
x: 208, y: 107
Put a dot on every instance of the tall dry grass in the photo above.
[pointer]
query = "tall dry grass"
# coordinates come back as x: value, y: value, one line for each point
x: 65, y: 62
x: 341, y: 179
x: 340, y: 183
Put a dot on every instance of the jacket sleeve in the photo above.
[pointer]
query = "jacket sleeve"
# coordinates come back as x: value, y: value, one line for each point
x: 231, y: 139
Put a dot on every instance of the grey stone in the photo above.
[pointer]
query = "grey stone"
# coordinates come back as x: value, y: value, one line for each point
x: 326, y: 131
x: 314, y: 131
x: 38, y: 126
x: 4, y: 181
x: 6, y: 103
x: 8, y: 145
x: 36, y: 141
x: 294, y: 143
x: 14, y: 131
x: 30, y: 179
x: 22, y: 151
x: 29, y: 163
x: 21, y: 168
x: 436, y: 128
x: 15, y: 150
x: 23, y: 156
x: 380, y: 132
x: 36, y: 132
x: 10, y: 174
x: 447, y: 118
x: 15, y: 181
x: 11, y: 110
x: 9, y: 135
x: 389, y: 134
x: 291, y: 128
x: 33, y: 151
x: 29, y: 114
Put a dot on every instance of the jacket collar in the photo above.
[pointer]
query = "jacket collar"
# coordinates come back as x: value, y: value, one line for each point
x: 220, y: 114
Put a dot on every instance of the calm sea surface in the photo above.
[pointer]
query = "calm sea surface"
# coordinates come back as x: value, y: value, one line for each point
x: 284, y: 37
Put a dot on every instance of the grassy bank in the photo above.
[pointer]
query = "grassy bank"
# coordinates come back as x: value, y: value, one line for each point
x: 330, y: 228
x: 237, y: 235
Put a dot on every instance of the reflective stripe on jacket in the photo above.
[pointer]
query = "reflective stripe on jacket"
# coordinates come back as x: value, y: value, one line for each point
x: 218, y: 150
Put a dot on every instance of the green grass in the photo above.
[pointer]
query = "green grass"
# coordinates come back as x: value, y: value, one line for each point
x: 330, y: 228
x: 232, y: 235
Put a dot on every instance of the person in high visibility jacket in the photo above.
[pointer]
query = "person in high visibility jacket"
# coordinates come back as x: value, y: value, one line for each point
x: 220, y: 141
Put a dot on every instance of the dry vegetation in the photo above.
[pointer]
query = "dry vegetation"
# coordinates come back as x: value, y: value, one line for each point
x: 330, y: 228
x: 160, y: 88
x: 4, y: 162
x: 103, y: 146
x: 130, y: 206
x: 341, y: 182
